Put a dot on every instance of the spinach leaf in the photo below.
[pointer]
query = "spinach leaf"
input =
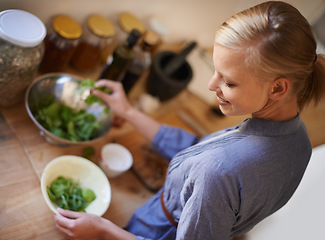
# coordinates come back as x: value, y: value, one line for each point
x: 68, y: 123
x: 68, y: 195
x: 89, y: 84
x: 87, y: 152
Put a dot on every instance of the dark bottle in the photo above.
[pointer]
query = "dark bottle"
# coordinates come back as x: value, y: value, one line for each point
x: 141, y: 61
x: 122, y: 57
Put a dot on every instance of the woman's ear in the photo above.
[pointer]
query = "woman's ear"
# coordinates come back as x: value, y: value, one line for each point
x: 280, y: 88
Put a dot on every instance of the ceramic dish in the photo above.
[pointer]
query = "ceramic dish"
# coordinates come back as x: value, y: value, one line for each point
x: 82, y: 171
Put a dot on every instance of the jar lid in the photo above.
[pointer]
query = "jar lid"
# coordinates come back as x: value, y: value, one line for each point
x: 21, y: 28
x: 67, y: 27
x: 158, y: 26
x: 101, y: 26
x: 128, y: 22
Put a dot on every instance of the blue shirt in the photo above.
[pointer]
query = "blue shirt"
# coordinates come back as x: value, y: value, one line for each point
x: 226, y: 183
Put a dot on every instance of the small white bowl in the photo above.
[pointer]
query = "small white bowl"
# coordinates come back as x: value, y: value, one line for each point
x: 82, y: 171
x: 115, y: 159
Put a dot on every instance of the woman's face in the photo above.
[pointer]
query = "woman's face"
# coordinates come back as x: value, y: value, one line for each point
x: 238, y: 91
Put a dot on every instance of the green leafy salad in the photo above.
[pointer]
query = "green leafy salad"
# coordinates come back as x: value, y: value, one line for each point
x: 68, y: 195
x: 68, y: 123
x: 90, y: 84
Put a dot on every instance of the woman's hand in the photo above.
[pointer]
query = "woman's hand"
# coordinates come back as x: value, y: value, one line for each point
x: 117, y: 100
x: 79, y: 226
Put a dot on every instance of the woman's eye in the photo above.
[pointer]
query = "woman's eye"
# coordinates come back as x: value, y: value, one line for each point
x: 229, y: 84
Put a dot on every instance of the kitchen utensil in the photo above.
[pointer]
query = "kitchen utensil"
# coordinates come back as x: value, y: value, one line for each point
x: 164, y: 86
x: 66, y: 90
x: 178, y: 60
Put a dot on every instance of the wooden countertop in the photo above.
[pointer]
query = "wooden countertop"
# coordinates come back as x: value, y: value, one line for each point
x: 24, y: 154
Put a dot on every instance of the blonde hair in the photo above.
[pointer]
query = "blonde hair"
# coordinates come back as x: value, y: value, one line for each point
x: 278, y: 42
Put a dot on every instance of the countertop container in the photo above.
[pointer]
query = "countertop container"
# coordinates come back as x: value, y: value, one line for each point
x: 115, y: 159
x: 21, y: 51
x: 61, y: 41
x: 162, y: 85
x: 83, y: 172
x: 126, y: 23
x: 96, y: 43
x: 63, y: 88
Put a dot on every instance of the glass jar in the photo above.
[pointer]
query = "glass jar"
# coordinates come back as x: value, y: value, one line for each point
x: 127, y: 22
x: 151, y: 42
x: 95, y: 45
x: 160, y: 29
x: 21, y: 51
x: 63, y: 36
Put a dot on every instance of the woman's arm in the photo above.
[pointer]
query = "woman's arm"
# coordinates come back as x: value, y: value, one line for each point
x: 117, y: 100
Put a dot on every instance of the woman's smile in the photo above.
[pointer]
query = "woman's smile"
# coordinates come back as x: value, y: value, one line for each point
x: 222, y: 101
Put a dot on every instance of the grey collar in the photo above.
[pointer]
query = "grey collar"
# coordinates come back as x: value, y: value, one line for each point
x: 256, y: 126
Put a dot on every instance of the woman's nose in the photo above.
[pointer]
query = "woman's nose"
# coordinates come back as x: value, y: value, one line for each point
x: 213, y: 83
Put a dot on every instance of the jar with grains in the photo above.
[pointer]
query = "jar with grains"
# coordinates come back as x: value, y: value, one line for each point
x: 63, y: 36
x: 127, y: 22
x: 95, y: 45
x: 21, y: 51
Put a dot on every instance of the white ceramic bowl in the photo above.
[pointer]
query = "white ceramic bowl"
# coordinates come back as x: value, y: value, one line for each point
x: 84, y: 172
x: 115, y: 159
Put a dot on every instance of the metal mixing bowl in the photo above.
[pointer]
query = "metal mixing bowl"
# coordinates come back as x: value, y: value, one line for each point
x: 64, y: 88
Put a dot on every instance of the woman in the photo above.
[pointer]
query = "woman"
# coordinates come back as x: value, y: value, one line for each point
x: 223, y: 185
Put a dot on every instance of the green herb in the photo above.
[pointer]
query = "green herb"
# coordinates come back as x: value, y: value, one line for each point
x: 89, y: 84
x: 88, y: 152
x: 68, y: 195
x: 66, y: 122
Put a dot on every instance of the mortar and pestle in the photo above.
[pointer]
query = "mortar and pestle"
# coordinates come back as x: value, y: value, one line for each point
x: 170, y: 73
